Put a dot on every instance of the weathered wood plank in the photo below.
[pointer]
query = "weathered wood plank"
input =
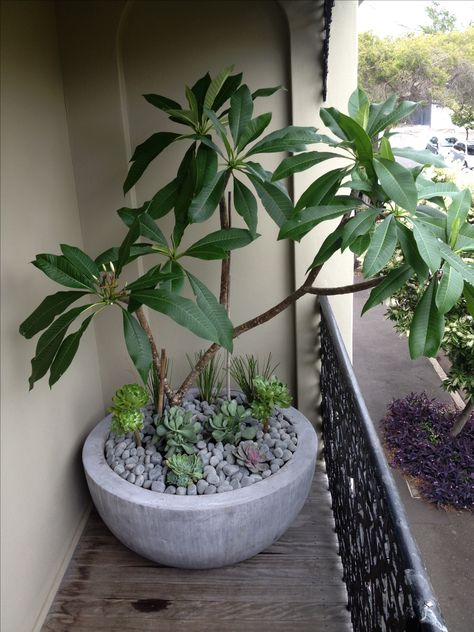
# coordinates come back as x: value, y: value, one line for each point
x: 294, y: 585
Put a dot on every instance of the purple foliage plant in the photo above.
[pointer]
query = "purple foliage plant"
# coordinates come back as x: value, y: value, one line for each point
x: 416, y: 431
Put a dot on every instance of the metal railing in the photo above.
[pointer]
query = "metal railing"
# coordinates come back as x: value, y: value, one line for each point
x: 387, y: 584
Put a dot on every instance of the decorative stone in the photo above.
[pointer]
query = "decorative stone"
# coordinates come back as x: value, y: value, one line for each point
x: 230, y: 470
x: 171, y: 489
x: 158, y: 486
x: 139, y: 480
x: 181, y: 491
x: 192, y: 489
x: 201, y: 486
x: 210, y: 489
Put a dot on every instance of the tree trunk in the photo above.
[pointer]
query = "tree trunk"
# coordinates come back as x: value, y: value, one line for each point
x: 463, y: 418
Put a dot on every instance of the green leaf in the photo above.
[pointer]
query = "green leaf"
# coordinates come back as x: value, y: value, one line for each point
x: 468, y: 293
x: 466, y: 271
x: 291, y: 138
x: 379, y: 110
x: 215, y: 87
x: 145, y: 153
x: 427, y: 327
x: 361, y: 224
x: 151, y: 278
x: 240, y: 113
x: 174, y: 277
x: 246, y: 205
x: 46, y: 312
x: 386, y: 149
x: 124, y: 250
x: 296, y: 228
x: 66, y: 352
x: 266, y: 92
x: 206, y: 166
x: 449, y: 289
x: 150, y: 230
x: 162, y: 103
x: 457, y: 214
x: 394, y: 280
x: 465, y: 241
x: 81, y: 261
x: 253, y: 130
x: 199, y: 90
x: 229, y: 86
x: 410, y: 251
x: 358, y: 107
x: 138, y: 345
x: 224, y: 240
x: 428, y: 189
x: 220, y: 129
x: 423, y: 157
x: 386, y: 116
x: 214, y: 311
x: 207, y: 200
x: 59, y: 269
x: 301, y: 162
x: 322, y: 189
x: 49, y: 343
x: 397, y: 182
x: 428, y: 245
x: 193, y: 104
x: 330, y: 245
x: 360, y: 245
x: 129, y: 215
x: 181, y: 310
x: 347, y: 129
x: 163, y: 201
x: 137, y: 250
x: 382, y: 247
x: 276, y: 202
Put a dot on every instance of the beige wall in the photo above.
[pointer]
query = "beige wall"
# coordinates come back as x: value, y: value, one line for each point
x: 70, y: 116
x: 43, y: 489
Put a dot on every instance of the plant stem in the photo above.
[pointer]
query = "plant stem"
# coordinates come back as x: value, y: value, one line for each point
x: 346, y: 289
x: 161, y: 390
x: 463, y: 418
x: 142, y: 319
x: 138, y: 439
x: 225, y: 218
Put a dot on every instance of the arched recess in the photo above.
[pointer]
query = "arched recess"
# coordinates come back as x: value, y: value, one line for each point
x: 164, y: 46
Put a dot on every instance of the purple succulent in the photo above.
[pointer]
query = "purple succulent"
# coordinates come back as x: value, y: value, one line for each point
x: 250, y: 456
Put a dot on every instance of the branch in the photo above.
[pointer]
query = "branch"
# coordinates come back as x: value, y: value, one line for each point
x: 463, y: 418
x: 345, y: 289
x: 142, y: 319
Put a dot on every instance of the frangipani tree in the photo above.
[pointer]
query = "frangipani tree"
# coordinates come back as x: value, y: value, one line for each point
x: 223, y: 144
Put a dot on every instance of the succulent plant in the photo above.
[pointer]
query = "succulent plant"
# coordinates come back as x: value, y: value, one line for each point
x: 177, y: 430
x: 126, y: 413
x: 268, y: 394
x: 227, y: 425
x: 130, y: 396
x: 184, y: 469
x: 250, y: 456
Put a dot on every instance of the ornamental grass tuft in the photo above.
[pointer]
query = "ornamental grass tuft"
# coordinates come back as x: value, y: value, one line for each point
x: 416, y: 431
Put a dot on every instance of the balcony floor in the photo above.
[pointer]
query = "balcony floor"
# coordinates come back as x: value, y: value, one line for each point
x: 294, y: 585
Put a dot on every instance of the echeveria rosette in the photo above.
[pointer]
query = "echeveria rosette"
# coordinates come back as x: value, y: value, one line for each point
x: 184, y: 469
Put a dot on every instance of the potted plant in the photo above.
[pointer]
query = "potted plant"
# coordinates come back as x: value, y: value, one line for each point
x: 214, y: 483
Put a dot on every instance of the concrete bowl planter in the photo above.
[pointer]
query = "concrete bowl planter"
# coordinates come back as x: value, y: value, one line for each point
x: 207, y: 531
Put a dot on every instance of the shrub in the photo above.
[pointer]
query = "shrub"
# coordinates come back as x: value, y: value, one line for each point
x: 416, y: 431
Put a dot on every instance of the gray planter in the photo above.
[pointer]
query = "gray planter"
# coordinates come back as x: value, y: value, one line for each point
x: 201, y: 531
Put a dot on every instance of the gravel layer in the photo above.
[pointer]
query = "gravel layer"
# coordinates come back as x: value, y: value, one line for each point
x: 146, y: 467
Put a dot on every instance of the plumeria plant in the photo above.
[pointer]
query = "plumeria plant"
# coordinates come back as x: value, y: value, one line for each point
x: 388, y: 206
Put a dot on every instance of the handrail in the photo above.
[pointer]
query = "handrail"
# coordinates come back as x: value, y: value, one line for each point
x: 387, y: 584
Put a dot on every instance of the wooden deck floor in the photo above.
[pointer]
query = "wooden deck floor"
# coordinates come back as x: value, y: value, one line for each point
x: 294, y: 586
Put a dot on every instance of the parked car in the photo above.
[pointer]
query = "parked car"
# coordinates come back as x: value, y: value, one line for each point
x: 441, y: 146
x: 463, y: 152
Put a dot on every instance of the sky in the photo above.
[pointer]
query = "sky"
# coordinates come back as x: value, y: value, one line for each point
x: 398, y: 17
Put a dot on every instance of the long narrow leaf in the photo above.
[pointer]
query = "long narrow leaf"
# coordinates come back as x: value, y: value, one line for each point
x: 144, y: 154
x: 297, y: 228
x: 301, y: 162
x: 138, y: 345
x: 276, y: 202
x: 181, y: 310
x: 81, y: 261
x: 449, y: 289
x: 427, y: 326
x: 455, y: 261
x: 246, y: 205
x: 214, y: 311
x: 397, y: 182
x: 394, y: 280
x: 291, y: 138
x: 47, y: 311
x: 240, y: 113
x: 205, y: 203
x: 361, y: 224
x: 59, y: 269
x: 254, y: 129
x: 66, y: 352
x: 330, y: 245
x: 382, y: 247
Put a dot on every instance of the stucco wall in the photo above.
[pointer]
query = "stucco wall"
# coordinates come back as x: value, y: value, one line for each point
x: 43, y: 491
